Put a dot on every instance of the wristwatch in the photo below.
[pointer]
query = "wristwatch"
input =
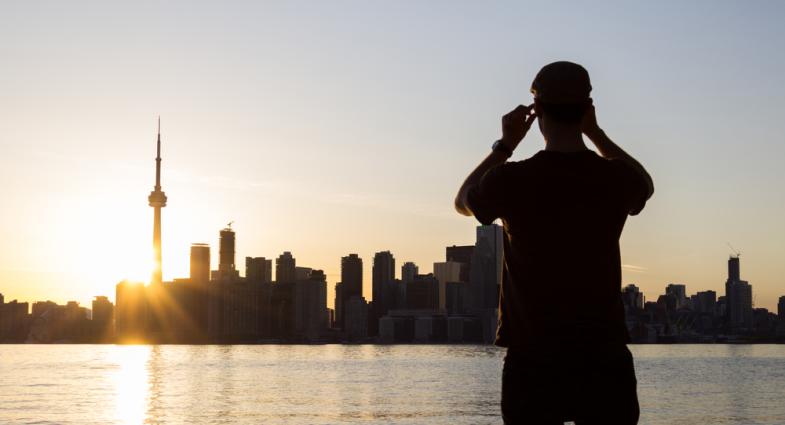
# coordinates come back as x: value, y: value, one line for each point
x: 499, y: 146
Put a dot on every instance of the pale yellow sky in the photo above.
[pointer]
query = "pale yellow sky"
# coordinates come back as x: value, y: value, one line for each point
x: 326, y: 132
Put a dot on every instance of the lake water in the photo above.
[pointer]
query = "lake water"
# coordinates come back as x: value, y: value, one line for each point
x: 331, y: 384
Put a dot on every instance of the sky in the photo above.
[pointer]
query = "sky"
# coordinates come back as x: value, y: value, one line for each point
x: 329, y: 128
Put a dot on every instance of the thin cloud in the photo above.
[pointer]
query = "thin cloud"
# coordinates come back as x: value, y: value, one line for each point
x: 634, y: 269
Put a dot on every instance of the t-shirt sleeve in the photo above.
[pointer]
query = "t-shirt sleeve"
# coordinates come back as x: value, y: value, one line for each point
x: 488, y: 199
x: 634, y: 189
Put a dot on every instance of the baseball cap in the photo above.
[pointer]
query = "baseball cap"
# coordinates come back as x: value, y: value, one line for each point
x: 562, y: 82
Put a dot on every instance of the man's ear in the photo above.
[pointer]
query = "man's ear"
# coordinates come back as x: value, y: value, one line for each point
x: 537, y: 108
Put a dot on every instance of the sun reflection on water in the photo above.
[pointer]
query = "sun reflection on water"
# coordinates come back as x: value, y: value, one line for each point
x: 131, y: 383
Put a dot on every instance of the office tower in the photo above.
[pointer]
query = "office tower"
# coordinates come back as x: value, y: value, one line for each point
x: 200, y: 263
x: 738, y: 299
x: 679, y: 292
x: 409, y: 271
x: 310, y: 309
x: 285, y: 268
x: 195, y: 295
x: 14, y: 321
x: 157, y: 200
x: 258, y: 269
x: 780, y: 308
x: 705, y: 302
x: 356, y: 318
x: 383, y: 288
x: 338, y: 322
x: 103, y: 318
x: 445, y: 273
x: 351, y: 281
x: 463, y: 255
x: 486, y: 267
x: 632, y: 297
x: 226, y: 251
x: 302, y: 273
x: 422, y: 293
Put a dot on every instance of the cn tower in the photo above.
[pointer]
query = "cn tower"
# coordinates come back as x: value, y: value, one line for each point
x: 157, y: 200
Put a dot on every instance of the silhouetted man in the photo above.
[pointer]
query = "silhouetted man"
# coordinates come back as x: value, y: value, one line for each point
x: 560, y: 311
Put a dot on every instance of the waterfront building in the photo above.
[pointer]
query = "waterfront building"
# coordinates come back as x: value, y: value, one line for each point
x: 258, y: 269
x: 103, y: 319
x: 285, y: 267
x: 355, y: 318
x: 383, y: 288
x: 738, y: 298
x: 351, y: 281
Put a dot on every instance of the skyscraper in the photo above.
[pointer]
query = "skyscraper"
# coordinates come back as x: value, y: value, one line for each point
x: 409, y: 272
x: 446, y: 272
x: 285, y: 268
x: 679, y: 292
x: 383, y: 277
x: 463, y: 255
x: 226, y: 250
x: 258, y: 270
x: 486, y: 267
x: 200, y: 263
x: 738, y: 298
x: 157, y: 200
x: 383, y: 288
x: 351, y: 282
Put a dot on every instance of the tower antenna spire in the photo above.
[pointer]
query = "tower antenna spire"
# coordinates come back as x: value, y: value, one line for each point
x: 157, y: 200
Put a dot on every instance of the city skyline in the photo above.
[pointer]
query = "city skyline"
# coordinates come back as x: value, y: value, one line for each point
x: 324, y: 133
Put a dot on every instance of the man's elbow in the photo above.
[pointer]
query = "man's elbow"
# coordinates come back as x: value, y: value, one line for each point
x: 650, y: 184
x: 460, y: 205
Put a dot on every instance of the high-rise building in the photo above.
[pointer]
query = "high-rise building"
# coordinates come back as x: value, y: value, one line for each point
x: 738, y: 299
x: 446, y: 272
x: 355, y: 318
x: 679, y: 292
x: 310, y: 306
x: 285, y: 268
x: 463, y: 255
x: 422, y: 293
x: 157, y: 200
x: 383, y: 288
x: 409, y: 272
x: 226, y: 251
x: 302, y: 273
x: 486, y: 267
x: 103, y: 318
x: 351, y: 281
x: 258, y: 269
x: 705, y: 302
x: 200, y: 263
x: 780, y: 308
x: 632, y: 297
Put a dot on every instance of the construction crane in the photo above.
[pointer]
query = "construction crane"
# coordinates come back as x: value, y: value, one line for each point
x: 229, y: 224
x: 733, y: 250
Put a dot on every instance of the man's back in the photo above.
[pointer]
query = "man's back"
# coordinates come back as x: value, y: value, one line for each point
x: 563, y: 214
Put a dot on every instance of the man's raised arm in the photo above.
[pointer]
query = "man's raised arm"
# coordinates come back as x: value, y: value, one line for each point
x: 611, y: 150
x: 515, y: 125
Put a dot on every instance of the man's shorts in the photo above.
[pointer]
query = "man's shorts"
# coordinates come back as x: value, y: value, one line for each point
x: 585, y: 386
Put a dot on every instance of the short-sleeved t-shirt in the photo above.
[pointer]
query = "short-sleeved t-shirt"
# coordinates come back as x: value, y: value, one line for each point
x: 563, y: 214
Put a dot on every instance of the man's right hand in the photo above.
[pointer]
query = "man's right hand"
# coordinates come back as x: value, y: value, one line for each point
x: 516, y: 124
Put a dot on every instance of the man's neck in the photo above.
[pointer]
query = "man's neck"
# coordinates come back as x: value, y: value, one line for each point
x: 565, y: 142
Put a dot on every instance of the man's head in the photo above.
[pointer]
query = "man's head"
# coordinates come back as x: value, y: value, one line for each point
x: 561, y: 95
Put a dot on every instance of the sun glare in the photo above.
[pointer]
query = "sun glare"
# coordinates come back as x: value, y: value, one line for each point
x: 131, y: 383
